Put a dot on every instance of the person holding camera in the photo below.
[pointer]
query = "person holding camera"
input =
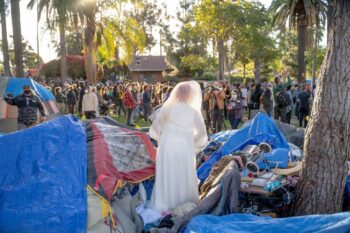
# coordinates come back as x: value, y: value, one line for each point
x: 28, y: 104
x: 216, y: 97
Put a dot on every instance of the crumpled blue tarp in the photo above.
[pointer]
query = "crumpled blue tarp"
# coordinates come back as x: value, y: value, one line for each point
x: 260, y: 129
x: 15, y: 86
x: 43, y: 178
x: 246, y: 223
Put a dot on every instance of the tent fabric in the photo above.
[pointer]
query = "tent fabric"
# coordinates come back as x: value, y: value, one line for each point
x: 245, y: 223
x: 117, y: 154
x: 15, y: 86
x: 260, y: 129
x: 43, y: 178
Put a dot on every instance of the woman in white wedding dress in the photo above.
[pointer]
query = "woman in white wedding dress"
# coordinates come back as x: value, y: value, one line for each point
x: 180, y: 131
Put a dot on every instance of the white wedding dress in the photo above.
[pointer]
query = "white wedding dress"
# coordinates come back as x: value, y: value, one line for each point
x: 178, y: 139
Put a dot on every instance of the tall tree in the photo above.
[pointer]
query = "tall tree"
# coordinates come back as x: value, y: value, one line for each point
x: 327, y: 142
x: 17, y: 37
x: 56, y: 12
x: 218, y: 19
x: 5, y: 49
x: 299, y: 14
x: 187, y: 50
x: 87, y: 11
x: 256, y: 32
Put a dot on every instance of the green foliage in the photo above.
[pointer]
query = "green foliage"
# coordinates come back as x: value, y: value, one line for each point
x: 74, y: 42
x: 208, y: 76
x: 147, y: 16
x: 187, y: 50
x: 30, y: 57
x: 288, y: 48
x: 321, y: 52
x: 218, y: 19
x: 285, y: 12
x: 119, y: 37
x: 76, y: 67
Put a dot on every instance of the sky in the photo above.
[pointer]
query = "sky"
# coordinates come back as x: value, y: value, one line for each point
x: 47, y: 52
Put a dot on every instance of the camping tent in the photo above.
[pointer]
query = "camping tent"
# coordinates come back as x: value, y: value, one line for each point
x: 117, y: 154
x: 8, y: 113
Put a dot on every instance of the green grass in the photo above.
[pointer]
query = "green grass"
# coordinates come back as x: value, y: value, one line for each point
x: 139, y: 124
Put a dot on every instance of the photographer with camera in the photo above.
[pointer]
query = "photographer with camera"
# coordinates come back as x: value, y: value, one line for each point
x: 28, y: 105
x: 216, y: 97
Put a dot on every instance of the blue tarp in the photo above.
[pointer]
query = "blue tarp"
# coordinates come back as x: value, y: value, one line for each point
x: 245, y: 223
x: 15, y: 86
x: 43, y: 178
x: 260, y: 129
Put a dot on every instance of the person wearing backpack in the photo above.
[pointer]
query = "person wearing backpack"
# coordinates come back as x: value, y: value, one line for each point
x: 304, y: 106
x: 281, y: 100
x: 281, y: 105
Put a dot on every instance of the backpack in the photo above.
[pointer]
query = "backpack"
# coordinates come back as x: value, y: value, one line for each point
x: 283, y: 100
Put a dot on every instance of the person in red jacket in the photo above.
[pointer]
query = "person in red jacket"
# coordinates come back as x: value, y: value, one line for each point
x: 129, y: 103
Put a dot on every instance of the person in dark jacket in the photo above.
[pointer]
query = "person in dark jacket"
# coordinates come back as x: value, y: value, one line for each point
x: 60, y: 99
x: 28, y: 104
x: 234, y: 109
x: 304, y: 106
x: 255, y: 100
x: 81, y: 94
x: 71, y: 100
x: 146, y: 102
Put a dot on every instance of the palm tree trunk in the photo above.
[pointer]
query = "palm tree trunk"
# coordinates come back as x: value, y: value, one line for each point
x: 302, y: 30
x: 89, y: 48
x: 327, y: 140
x: 5, y: 47
x: 221, y: 51
x: 63, y: 49
x: 17, y: 37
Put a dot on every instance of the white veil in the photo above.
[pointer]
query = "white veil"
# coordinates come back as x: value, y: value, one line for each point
x: 188, y: 92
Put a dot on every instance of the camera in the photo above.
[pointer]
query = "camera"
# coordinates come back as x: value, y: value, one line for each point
x: 9, y: 95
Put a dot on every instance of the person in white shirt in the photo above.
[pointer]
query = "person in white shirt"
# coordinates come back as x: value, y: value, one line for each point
x: 90, y: 104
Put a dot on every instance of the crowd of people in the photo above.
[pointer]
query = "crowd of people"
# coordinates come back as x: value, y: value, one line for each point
x: 222, y: 102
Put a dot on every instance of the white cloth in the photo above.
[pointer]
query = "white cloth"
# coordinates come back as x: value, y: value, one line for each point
x: 176, y: 178
x: 148, y: 215
x: 179, y: 130
x: 90, y: 102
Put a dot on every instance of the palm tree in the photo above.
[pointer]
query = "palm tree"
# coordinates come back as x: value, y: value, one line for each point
x: 299, y: 14
x: 86, y: 10
x: 5, y: 49
x: 17, y: 37
x: 98, y: 35
x: 56, y: 10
